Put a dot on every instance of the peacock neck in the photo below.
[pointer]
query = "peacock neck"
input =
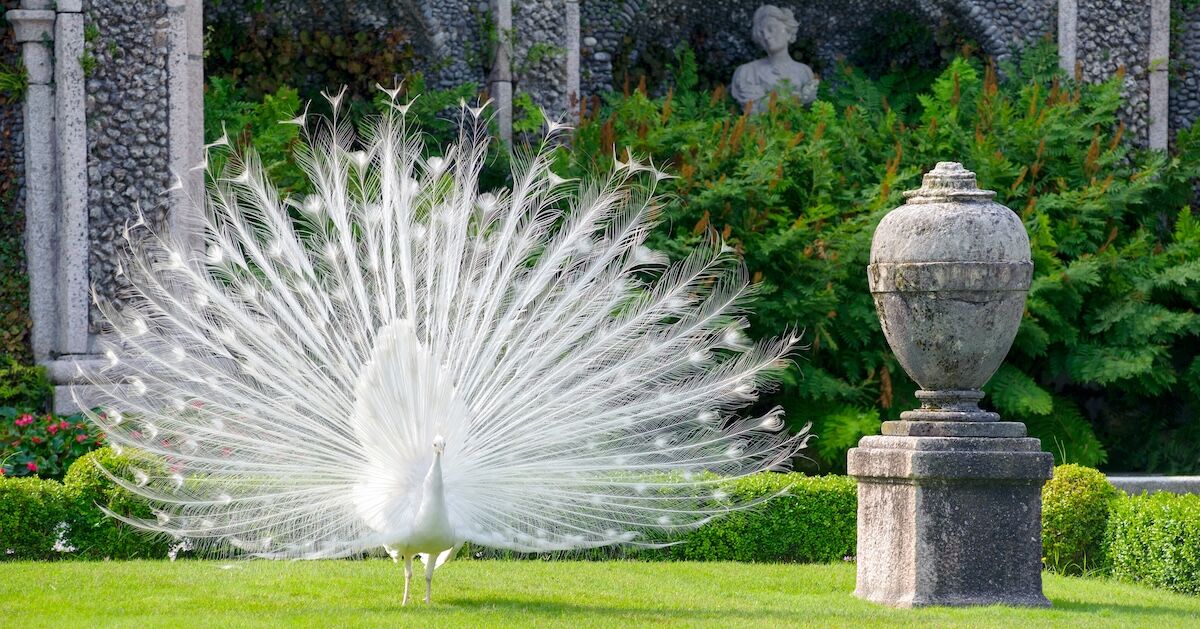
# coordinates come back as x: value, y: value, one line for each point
x: 433, y: 499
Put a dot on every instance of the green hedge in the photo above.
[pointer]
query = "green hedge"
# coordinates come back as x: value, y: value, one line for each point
x: 1155, y: 539
x: 31, y: 510
x: 813, y: 523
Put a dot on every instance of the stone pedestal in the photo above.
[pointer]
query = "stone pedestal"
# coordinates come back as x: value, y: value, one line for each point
x: 950, y: 520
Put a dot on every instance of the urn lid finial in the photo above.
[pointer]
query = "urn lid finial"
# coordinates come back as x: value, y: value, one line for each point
x: 948, y: 181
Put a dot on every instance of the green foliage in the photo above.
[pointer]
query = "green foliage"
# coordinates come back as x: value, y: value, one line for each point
x: 13, y: 82
x: 527, y: 116
x: 96, y: 535
x: 229, y: 110
x: 1075, y: 508
x: 265, y: 59
x: 814, y: 522
x: 1155, y: 540
x: 1111, y: 323
x: 24, y: 386
x: 44, y: 445
x: 30, y: 511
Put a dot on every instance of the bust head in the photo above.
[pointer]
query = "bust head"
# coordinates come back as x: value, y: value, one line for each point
x: 774, y: 28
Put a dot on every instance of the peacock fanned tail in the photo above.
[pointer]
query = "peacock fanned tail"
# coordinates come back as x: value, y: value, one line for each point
x: 283, y: 380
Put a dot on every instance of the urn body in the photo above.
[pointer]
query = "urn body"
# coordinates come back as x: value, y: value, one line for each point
x: 949, y: 273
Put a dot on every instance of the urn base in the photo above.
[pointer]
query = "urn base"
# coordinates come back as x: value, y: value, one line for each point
x: 950, y: 520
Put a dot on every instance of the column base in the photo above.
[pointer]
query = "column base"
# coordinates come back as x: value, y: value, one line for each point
x: 950, y: 520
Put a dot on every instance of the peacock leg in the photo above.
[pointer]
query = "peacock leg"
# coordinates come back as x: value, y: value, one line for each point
x: 430, y: 563
x: 407, y: 578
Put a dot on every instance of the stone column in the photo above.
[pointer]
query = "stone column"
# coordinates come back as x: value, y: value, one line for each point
x: 70, y: 139
x: 185, y: 92
x: 571, y: 42
x: 949, y: 497
x: 1068, y: 14
x: 1160, y: 53
x: 500, y: 81
x: 33, y: 26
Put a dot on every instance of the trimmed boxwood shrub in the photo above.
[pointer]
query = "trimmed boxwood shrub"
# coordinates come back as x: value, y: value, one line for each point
x: 96, y: 535
x: 31, y: 510
x: 813, y: 523
x: 1155, y: 539
x: 1075, y: 512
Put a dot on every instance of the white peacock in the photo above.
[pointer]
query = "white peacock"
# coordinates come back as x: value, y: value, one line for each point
x: 400, y: 360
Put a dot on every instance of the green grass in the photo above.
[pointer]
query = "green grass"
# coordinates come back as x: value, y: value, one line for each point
x: 509, y: 593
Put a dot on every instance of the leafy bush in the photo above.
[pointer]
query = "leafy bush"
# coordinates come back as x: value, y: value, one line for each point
x: 1111, y: 324
x: 44, y: 445
x: 813, y: 523
x: 31, y: 510
x: 244, y: 120
x: 1155, y: 539
x: 24, y: 387
x: 1075, y: 507
x: 96, y: 535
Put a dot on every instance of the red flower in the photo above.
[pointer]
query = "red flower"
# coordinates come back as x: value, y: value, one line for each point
x: 80, y: 438
x: 32, y: 466
x: 63, y: 425
x: 52, y: 428
x: 36, y: 440
x: 24, y: 420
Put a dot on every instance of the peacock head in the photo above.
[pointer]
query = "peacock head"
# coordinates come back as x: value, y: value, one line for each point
x: 439, y: 444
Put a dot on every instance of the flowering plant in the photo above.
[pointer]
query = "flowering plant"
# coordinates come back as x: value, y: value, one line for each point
x: 43, y: 445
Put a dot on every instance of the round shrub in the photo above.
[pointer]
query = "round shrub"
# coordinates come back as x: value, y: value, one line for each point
x: 94, y: 534
x: 1075, y: 510
x: 31, y: 512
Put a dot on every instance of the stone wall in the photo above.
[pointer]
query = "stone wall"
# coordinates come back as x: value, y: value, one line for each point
x: 1116, y: 34
x: 1185, y: 69
x: 127, y: 116
x: 619, y: 32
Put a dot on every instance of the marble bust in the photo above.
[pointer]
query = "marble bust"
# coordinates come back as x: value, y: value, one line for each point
x: 753, y: 82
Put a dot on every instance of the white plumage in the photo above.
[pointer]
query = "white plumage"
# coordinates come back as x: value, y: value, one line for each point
x: 400, y: 360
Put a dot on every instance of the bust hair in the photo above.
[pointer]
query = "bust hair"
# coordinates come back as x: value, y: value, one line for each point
x: 772, y: 12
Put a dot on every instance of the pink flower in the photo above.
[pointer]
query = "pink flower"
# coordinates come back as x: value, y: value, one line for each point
x: 80, y: 438
x: 24, y: 420
x: 63, y: 425
x: 32, y: 466
x: 52, y: 428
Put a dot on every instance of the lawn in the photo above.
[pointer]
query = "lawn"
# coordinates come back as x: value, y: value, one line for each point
x: 510, y: 593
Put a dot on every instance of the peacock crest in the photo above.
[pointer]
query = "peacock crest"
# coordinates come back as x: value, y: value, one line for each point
x: 400, y: 359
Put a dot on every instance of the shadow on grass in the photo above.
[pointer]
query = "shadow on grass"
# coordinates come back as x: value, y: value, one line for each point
x: 1141, y: 611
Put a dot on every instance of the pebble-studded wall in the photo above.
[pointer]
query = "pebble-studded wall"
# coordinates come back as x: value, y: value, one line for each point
x: 126, y: 79
x: 1115, y: 34
x: 1185, y: 68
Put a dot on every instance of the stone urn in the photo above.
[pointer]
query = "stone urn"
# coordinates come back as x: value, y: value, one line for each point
x: 950, y: 497
x: 949, y: 272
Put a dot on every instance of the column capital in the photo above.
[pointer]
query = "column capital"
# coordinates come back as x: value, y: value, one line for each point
x: 31, y: 25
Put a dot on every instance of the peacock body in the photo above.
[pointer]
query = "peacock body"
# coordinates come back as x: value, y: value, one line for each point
x: 397, y: 359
